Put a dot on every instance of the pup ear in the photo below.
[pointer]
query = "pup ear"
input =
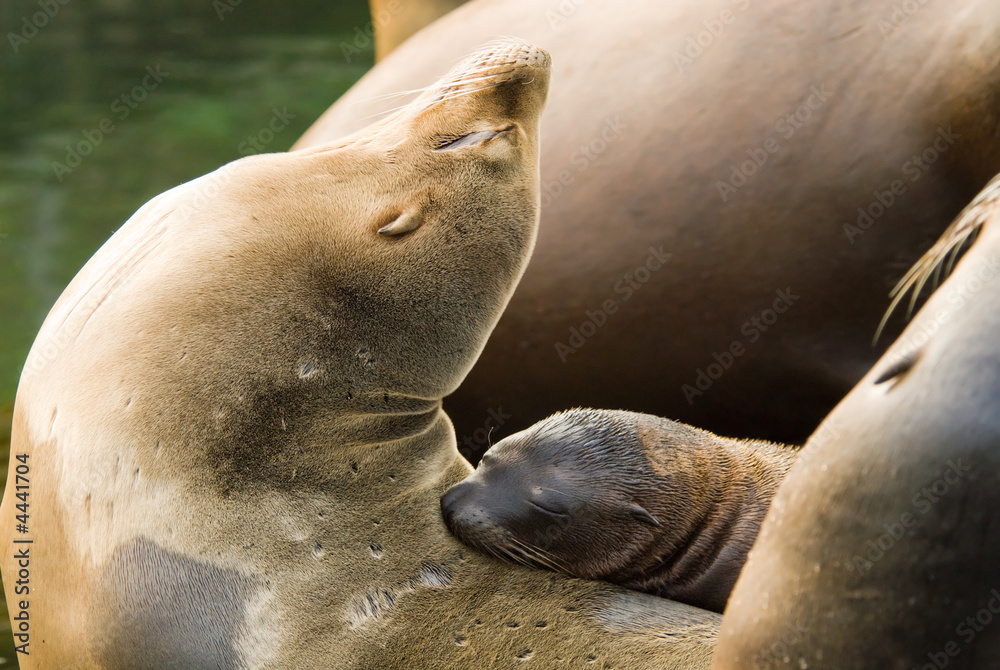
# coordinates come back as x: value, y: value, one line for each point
x: 404, y: 223
x: 640, y: 514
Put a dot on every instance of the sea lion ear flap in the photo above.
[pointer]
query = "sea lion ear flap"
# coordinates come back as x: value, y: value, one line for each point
x: 640, y: 514
x: 404, y: 223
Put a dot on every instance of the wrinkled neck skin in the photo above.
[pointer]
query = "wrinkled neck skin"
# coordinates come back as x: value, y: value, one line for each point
x: 729, y: 496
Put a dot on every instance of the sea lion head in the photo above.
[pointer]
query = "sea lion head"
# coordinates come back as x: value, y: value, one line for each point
x: 548, y: 495
x: 430, y: 217
x: 237, y: 321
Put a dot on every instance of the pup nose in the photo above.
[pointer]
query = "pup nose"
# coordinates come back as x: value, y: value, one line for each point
x: 453, y: 502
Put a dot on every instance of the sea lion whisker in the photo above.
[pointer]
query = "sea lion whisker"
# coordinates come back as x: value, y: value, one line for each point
x: 520, y: 544
x: 966, y: 225
x: 957, y: 249
x: 458, y: 84
x: 516, y: 548
x: 918, y: 287
x: 513, y: 556
x: 452, y: 95
x: 397, y: 94
x: 545, y: 558
x: 539, y: 554
x: 484, y: 75
x: 538, y: 560
x: 430, y: 102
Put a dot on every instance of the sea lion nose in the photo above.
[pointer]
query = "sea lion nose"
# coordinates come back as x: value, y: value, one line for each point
x: 455, y: 501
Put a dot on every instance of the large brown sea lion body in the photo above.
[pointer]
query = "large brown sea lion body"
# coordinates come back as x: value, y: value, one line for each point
x: 729, y: 189
x: 882, y: 547
x: 230, y: 425
x: 632, y: 499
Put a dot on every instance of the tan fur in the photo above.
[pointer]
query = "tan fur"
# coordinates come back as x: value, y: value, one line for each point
x: 396, y: 20
x: 233, y: 416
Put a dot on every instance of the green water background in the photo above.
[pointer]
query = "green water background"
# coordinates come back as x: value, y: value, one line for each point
x: 231, y: 64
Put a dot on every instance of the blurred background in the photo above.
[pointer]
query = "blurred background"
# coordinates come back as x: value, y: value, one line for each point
x: 88, y: 133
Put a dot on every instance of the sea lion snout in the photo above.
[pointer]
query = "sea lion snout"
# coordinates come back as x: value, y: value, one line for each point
x: 456, y: 508
x: 473, y: 503
x: 498, y: 500
x: 509, y: 77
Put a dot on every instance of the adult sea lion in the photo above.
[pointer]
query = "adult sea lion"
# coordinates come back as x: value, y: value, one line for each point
x: 231, y: 426
x: 633, y: 499
x: 882, y: 547
x: 726, y: 188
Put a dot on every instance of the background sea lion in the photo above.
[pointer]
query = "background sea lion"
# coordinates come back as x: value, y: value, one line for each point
x: 728, y: 191
x: 231, y: 420
x: 396, y: 20
x: 633, y: 499
x: 882, y: 547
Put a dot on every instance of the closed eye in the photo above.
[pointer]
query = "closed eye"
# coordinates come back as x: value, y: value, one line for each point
x: 548, y: 509
x: 472, y: 139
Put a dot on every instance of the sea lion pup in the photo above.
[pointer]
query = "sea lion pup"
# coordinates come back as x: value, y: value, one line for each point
x: 882, y: 548
x: 632, y: 499
x: 229, y: 429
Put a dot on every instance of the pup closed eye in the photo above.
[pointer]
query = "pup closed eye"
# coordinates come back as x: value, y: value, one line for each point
x: 549, y: 507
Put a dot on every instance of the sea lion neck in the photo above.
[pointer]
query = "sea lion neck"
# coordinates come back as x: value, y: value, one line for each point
x: 298, y: 306
x: 738, y: 481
